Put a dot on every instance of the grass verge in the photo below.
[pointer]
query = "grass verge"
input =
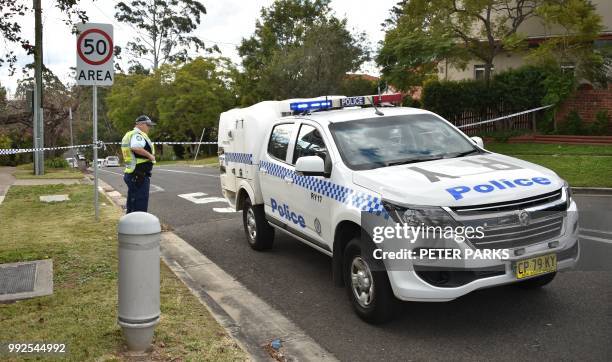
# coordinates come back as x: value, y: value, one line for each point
x: 26, y: 172
x: 82, y: 311
x: 586, y: 166
x: 207, y: 161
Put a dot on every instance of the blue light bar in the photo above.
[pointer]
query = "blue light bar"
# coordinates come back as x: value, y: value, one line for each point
x: 310, y: 105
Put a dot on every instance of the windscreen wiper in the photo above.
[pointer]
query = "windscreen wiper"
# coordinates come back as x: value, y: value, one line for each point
x: 413, y: 160
x: 467, y: 153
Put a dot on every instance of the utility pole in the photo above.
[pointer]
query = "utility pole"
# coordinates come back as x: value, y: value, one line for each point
x: 71, y: 139
x: 39, y: 129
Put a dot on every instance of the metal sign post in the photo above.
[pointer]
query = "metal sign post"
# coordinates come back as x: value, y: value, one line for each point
x: 95, y: 67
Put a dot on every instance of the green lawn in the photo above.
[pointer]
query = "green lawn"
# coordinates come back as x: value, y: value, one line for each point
x: 207, y: 161
x: 588, y: 166
x: 26, y: 172
x: 82, y: 311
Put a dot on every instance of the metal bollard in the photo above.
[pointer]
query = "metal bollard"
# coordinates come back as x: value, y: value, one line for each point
x: 139, y: 237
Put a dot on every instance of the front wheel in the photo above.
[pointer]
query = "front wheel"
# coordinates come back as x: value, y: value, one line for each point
x: 369, y: 289
x: 259, y: 234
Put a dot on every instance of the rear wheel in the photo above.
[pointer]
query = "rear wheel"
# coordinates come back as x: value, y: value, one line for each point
x: 368, y: 285
x: 259, y: 234
x: 537, y: 282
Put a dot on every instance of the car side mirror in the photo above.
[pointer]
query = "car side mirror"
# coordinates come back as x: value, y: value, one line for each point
x: 478, y: 141
x: 310, y: 166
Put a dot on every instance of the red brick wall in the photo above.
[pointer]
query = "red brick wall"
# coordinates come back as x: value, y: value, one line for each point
x: 587, y: 102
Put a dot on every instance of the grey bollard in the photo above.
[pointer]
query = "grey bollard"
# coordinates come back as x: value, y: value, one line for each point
x: 139, y: 237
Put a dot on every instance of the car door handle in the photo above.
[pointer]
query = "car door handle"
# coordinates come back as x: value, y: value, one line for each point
x: 288, y: 179
x: 263, y: 170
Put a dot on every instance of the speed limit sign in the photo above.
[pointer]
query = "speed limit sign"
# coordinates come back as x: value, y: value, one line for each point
x: 94, y: 54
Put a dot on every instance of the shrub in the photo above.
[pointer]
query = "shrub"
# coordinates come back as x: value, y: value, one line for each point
x: 57, y: 162
x: 601, y: 124
x: 572, y: 125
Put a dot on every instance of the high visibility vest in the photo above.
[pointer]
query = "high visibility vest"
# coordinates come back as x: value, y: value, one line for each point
x: 129, y: 158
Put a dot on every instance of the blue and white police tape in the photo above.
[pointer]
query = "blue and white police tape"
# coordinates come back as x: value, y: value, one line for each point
x: 504, y: 117
x: 100, y: 144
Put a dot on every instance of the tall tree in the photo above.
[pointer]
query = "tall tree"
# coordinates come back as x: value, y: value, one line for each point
x: 580, y: 26
x: 299, y: 49
x: 11, y: 12
x: 421, y: 33
x: 164, y: 29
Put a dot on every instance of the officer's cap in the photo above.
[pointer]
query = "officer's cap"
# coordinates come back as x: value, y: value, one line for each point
x: 144, y: 119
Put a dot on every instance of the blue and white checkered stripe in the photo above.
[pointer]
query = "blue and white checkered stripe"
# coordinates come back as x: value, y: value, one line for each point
x: 246, y: 158
x: 359, y: 200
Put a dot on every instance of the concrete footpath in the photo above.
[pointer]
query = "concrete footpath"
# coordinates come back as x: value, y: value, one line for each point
x: 6, y: 180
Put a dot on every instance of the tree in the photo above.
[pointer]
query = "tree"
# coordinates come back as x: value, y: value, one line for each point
x: 299, y: 49
x: 10, y: 27
x: 166, y: 27
x: 421, y: 33
x: 581, y: 26
x: 199, y: 92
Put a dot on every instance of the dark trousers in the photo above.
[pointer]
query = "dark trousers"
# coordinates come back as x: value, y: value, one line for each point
x: 138, y: 193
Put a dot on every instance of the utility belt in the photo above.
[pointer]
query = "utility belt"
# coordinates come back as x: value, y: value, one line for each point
x: 139, y: 174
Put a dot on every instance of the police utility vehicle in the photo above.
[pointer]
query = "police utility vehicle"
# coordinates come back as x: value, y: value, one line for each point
x: 313, y: 168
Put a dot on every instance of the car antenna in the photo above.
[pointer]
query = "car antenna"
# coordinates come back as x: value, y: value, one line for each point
x: 376, y: 110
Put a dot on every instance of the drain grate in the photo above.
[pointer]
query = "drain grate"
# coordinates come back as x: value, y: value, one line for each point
x: 17, y: 279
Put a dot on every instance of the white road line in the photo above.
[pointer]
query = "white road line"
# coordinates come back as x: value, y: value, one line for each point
x: 224, y: 210
x: 605, y: 232
x: 187, y: 172
x: 594, y: 238
x: 154, y: 188
x: 197, y: 198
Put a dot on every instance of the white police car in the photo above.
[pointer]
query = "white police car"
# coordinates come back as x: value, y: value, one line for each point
x: 317, y: 169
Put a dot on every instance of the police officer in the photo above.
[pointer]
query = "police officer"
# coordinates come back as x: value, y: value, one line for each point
x: 139, y: 157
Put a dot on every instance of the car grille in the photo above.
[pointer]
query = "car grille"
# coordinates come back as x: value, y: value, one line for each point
x: 502, y: 226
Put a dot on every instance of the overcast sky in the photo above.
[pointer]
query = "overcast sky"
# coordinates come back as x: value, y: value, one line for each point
x: 225, y: 24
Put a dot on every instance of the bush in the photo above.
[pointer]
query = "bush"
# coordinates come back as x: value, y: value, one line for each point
x: 572, y: 125
x: 601, y: 124
x: 57, y: 162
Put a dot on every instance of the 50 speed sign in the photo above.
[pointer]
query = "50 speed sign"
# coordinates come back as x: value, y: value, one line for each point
x: 95, y: 54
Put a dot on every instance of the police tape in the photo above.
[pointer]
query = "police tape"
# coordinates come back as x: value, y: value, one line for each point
x: 506, y: 116
x: 100, y: 144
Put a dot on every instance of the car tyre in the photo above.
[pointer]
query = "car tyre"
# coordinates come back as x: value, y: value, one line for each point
x: 259, y: 234
x: 367, y: 285
x: 537, y: 282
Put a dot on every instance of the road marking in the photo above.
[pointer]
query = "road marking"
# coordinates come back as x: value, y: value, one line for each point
x: 594, y: 238
x: 605, y: 232
x: 197, y: 198
x: 224, y: 210
x: 153, y: 188
x: 187, y: 172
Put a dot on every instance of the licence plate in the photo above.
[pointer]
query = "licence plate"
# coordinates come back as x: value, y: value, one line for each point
x: 536, y: 266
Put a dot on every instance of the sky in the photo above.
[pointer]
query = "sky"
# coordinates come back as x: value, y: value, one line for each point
x: 226, y: 23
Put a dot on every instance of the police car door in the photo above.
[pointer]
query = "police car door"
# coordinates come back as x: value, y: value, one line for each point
x: 276, y: 177
x: 311, y: 203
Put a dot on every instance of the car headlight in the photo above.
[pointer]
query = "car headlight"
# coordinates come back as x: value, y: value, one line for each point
x: 411, y: 216
x: 568, y: 194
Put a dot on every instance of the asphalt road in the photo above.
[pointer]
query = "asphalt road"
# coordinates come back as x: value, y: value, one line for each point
x: 568, y: 320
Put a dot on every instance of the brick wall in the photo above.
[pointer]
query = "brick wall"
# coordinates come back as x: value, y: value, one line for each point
x: 587, y: 102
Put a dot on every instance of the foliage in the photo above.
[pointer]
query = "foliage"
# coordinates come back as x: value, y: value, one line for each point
x: 166, y: 26
x: 513, y: 90
x: 357, y: 85
x: 421, y: 33
x: 12, y: 13
x: 299, y: 49
x: 57, y: 162
x: 182, y: 99
x: 581, y: 26
x: 601, y: 126
x: 199, y: 92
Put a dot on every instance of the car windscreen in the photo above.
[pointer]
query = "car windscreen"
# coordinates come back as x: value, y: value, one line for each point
x: 387, y: 141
